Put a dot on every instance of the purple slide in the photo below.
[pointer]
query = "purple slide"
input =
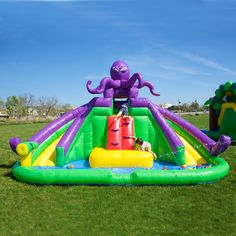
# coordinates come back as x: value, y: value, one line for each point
x: 160, y: 114
x: 78, y: 115
x: 213, y: 147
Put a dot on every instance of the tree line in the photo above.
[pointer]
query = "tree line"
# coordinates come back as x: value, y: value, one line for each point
x: 28, y: 105
x: 192, y: 107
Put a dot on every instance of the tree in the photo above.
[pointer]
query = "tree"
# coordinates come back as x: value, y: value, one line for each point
x: 12, y: 105
x: 26, y: 102
x: 2, y: 105
x: 66, y: 107
x: 47, y: 106
x: 185, y: 107
x: 195, y: 106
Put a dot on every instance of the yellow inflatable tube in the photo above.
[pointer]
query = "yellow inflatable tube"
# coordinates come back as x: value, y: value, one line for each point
x: 101, y: 158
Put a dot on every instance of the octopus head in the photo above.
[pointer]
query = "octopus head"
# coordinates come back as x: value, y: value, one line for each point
x: 119, y: 71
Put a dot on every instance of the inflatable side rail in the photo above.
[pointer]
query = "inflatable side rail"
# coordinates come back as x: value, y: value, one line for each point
x: 55, y: 125
x: 63, y: 147
x: 213, y: 147
x: 25, y: 149
x: 49, y: 129
x: 43, y: 134
x: 176, y: 144
x: 68, y: 137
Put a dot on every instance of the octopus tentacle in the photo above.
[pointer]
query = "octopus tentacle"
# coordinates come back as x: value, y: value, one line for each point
x: 130, y: 83
x: 141, y: 83
x: 101, y: 88
x: 144, y: 83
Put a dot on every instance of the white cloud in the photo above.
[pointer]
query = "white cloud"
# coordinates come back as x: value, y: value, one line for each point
x: 203, y: 61
x: 208, y: 63
x: 149, y: 63
x: 181, y: 69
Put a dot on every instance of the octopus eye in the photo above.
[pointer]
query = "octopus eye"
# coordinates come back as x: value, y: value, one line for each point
x: 123, y: 69
x: 115, y: 68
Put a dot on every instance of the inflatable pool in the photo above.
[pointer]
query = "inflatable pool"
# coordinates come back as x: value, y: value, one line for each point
x: 91, y: 145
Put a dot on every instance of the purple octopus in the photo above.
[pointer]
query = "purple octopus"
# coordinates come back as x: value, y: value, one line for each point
x: 120, y: 84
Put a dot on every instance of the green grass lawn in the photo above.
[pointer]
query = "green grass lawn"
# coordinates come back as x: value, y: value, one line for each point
x: 25, y: 209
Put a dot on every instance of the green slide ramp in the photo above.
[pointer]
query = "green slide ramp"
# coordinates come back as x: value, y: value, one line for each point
x: 147, y: 128
x: 92, y: 133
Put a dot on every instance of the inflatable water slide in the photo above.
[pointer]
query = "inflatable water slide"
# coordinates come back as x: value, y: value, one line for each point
x: 91, y: 145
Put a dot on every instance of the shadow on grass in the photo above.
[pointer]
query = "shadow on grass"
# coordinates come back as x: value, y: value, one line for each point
x: 9, y: 175
x: 7, y: 166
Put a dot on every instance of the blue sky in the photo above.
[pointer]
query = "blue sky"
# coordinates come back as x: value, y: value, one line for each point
x: 186, y: 48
